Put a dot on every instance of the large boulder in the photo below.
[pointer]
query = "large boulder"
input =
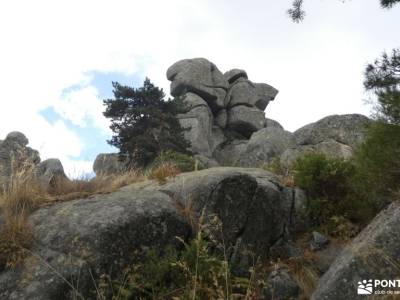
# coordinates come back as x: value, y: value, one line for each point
x: 253, y: 209
x: 263, y: 146
x: 245, y: 119
x: 336, y: 136
x: 265, y: 94
x: 229, y: 153
x: 109, y: 164
x: 198, y: 123
x: 242, y: 92
x: 345, y: 129
x: 201, y: 77
x: 80, y: 240
x: 373, y: 255
x: 244, y: 210
x: 232, y: 75
x: 16, y: 157
x: 331, y: 148
x: 50, y: 172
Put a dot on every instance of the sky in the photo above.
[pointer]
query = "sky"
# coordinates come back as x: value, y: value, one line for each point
x: 58, y: 59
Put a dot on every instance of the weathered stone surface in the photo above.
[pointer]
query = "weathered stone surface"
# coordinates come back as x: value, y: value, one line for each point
x: 109, y: 164
x: 192, y: 100
x: 253, y: 208
x: 345, y: 129
x: 263, y: 146
x: 280, y: 285
x: 232, y: 75
x: 50, y: 172
x: 16, y: 157
x: 373, y: 254
x: 272, y: 123
x: 199, y: 123
x: 228, y: 154
x: 331, y: 148
x: 243, y: 92
x: 17, y: 138
x: 245, y: 120
x: 265, y: 94
x: 217, y: 137
x: 201, y: 77
x: 99, y: 235
x: 221, y: 118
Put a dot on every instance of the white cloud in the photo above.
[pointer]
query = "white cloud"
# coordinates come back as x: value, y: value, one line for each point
x: 82, y: 107
x: 48, y: 46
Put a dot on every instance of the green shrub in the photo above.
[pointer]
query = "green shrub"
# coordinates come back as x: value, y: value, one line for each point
x: 194, y: 273
x: 330, y: 187
x: 184, y: 162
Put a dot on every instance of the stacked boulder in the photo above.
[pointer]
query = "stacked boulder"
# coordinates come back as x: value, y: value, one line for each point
x: 227, y: 125
x: 222, y: 108
x: 17, y: 160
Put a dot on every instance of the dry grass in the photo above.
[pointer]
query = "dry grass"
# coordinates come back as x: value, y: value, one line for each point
x: 21, y: 196
x: 24, y: 194
x: 65, y: 190
x: 163, y: 171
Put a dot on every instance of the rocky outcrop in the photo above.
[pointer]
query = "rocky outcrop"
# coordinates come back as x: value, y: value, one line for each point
x: 50, y: 172
x: 17, y: 160
x: 221, y: 107
x: 226, y: 120
x: 246, y: 210
x: 109, y: 163
x: 253, y: 209
x: 88, y: 237
x: 336, y: 136
x: 260, y: 149
x: 15, y: 157
x: 373, y: 254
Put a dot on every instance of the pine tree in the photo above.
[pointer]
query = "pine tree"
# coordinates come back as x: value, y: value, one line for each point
x: 379, y: 156
x: 383, y: 78
x: 144, y: 124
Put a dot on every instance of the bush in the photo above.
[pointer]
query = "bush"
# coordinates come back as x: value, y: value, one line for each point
x: 329, y: 184
x: 194, y: 273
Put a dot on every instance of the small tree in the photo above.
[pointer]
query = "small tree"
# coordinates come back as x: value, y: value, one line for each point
x: 144, y: 124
